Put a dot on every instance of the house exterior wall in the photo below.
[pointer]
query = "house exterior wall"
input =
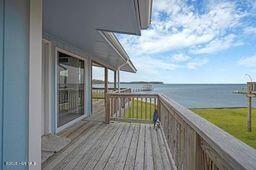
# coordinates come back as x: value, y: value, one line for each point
x: 20, y: 55
x: 56, y: 44
x: 15, y: 81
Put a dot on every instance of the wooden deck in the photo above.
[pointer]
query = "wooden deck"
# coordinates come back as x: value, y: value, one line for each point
x: 96, y: 145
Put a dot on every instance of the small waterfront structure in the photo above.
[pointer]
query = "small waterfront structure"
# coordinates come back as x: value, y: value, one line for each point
x: 47, y: 49
x: 147, y: 87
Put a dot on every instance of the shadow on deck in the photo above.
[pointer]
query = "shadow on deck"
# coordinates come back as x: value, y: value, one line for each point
x: 97, y: 145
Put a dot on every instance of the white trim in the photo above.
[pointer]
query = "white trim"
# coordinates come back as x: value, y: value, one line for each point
x: 57, y: 49
x: 47, y: 110
x: 70, y: 123
x: 35, y: 83
x: 58, y: 129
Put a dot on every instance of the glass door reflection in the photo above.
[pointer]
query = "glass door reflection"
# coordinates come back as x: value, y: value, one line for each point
x: 70, y: 88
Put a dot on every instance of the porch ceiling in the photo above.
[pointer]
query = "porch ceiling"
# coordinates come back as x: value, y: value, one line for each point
x: 87, y: 24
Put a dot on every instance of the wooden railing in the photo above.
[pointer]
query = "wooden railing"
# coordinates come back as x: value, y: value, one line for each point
x: 194, y: 143
x: 131, y: 107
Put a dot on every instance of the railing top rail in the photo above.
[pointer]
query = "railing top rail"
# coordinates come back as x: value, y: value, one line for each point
x: 230, y: 148
x: 102, y: 88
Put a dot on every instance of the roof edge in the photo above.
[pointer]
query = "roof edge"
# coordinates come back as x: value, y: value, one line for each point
x: 116, y: 45
x: 145, y: 12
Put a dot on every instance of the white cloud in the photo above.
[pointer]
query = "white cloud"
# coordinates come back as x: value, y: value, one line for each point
x: 250, y: 30
x: 183, y: 28
x: 195, y: 64
x: 180, y: 58
x: 217, y: 45
x: 150, y: 65
x: 248, y: 61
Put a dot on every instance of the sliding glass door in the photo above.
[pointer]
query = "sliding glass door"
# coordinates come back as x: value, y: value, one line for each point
x: 71, y: 85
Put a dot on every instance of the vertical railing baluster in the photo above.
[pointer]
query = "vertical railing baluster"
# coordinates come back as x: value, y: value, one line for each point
x: 137, y: 108
x: 150, y: 105
x: 133, y: 103
x: 141, y: 103
x: 124, y: 108
x: 146, y: 105
x: 129, y: 108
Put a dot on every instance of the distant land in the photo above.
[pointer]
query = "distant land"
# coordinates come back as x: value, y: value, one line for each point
x: 95, y: 81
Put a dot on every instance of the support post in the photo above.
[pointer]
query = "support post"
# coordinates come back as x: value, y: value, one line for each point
x: 106, y: 83
x: 249, y: 121
x: 250, y: 87
x: 115, y: 80
x: 118, y: 72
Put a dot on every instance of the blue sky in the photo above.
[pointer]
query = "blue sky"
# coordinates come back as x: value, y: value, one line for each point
x: 195, y: 41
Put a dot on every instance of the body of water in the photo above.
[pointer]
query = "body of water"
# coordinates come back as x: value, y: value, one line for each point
x: 200, y: 95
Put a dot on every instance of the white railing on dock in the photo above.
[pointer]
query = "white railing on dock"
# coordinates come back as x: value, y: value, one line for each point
x: 99, y: 92
x: 194, y: 143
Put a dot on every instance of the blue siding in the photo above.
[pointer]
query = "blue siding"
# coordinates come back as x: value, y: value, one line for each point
x: 16, y: 82
x: 1, y: 80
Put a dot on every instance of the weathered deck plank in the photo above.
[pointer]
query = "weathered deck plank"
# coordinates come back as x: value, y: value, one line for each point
x: 91, y: 141
x: 163, y: 150
x: 158, y: 163
x: 117, y: 150
x: 105, y: 157
x: 148, y: 149
x: 99, y: 153
x: 139, y: 161
x: 120, y: 163
x: 111, y: 146
x: 99, y: 144
x: 57, y: 158
x: 130, y: 160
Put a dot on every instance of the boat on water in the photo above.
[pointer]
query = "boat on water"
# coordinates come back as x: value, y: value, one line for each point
x: 147, y: 87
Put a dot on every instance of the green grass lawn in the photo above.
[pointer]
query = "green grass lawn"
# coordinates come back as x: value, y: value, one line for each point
x: 98, y: 95
x: 233, y: 121
x: 145, y: 110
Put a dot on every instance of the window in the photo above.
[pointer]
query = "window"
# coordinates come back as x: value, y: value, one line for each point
x: 71, y: 83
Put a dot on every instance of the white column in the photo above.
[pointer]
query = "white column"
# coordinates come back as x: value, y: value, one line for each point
x: 35, y: 82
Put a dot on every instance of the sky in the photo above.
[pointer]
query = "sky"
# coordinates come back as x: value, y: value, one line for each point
x: 195, y: 41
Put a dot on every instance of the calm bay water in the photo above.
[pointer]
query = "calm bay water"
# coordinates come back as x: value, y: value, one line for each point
x: 200, y: 95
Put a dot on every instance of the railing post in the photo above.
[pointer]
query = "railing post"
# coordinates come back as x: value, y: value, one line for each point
x: 158, y: 107
x: 107, y: 117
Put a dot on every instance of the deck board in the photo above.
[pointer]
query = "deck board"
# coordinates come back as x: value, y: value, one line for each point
x: 117, y: 150
x: 96, y: 145
x: 120, y: 163
x: 148, y: 149
x: 157, y: 159
x: 139, y: 161
x: 130, y: 160
x: 98, y: 154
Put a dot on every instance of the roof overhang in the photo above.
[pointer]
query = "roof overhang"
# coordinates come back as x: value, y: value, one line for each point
x: 90, y: 26
x: 145, y: 13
